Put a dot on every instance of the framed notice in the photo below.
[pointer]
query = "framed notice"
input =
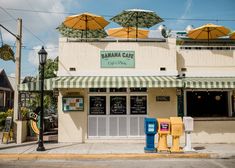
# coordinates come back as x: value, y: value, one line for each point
x: 162, y: 98
x: 117, y: 105
x: 97, y: 105
x: 73, y: 103
x: 138, y: 105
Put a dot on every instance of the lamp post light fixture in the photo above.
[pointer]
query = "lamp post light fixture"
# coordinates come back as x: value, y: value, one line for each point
x: 42, y: 61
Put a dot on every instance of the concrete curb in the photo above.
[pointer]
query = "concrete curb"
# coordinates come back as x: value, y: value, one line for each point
x: 46, y: 156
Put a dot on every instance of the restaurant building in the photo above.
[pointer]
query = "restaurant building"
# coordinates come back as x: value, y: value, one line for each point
x: 107, y: 87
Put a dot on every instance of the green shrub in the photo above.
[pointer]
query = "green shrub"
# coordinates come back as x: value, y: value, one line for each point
x: 24, y: 113
x: 4, y: 115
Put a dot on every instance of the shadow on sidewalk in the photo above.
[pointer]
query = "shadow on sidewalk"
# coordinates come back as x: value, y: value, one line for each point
x: 61, y: 146
x: 199, y: 148
x: 16, y: 145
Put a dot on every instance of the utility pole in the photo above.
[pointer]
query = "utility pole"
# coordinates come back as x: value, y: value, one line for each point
x: 18, y: 70
x: 17, y: 113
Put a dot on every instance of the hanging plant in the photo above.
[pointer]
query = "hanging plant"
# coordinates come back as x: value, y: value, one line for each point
x: 6, y: 53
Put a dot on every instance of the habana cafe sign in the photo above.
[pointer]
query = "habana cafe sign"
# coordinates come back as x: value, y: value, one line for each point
x: 117, y: 59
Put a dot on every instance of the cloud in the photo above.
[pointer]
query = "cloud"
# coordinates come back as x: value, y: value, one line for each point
x: 13, y: 75
x: 35, y: 23
x: 37, y: 27
x: 51, y: 49
x: 185, y: 14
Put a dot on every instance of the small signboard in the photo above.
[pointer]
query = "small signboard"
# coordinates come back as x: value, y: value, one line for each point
x: 162, y: 98
x: 164, y: 126
x: 117, y: 59
x: 7, y: 130
x: 73, y: 103
x: 8, y: 123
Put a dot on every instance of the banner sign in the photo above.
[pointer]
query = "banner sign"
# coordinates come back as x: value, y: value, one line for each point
x: 117, y: 59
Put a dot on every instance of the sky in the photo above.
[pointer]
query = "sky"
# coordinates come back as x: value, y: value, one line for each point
x: 41, y: 18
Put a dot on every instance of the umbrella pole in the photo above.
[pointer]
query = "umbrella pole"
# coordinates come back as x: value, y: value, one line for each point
x: 208, y: 36
x: 86, y: 27
x: 136, y: 27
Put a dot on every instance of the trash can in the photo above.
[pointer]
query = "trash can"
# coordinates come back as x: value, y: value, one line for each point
x: 176, y: 132
x: 150, y: 127
x: 163, y: 131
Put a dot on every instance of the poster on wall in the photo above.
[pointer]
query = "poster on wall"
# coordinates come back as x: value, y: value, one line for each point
x: 117, y: 105
x: 73, y: 103
x: 138, y: 105
x: 97, y: 105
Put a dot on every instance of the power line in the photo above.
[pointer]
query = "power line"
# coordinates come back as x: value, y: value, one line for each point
x: 3, y: 21
x: 195, y: 19
x: 23, y: 26
x: 40, y: 11
x: 165, y: 18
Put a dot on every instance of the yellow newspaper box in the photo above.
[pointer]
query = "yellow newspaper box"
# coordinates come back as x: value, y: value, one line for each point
x: 176, y: 132
x: 176, y: 126
x: 163, y: 130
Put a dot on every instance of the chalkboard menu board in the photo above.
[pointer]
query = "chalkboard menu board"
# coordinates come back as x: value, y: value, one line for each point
x: 8, y: 124
x: 97, y: 105
x: 117, y: 105
x: 138, y: 105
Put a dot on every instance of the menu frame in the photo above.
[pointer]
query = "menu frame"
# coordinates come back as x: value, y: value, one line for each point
x: 79, y: 106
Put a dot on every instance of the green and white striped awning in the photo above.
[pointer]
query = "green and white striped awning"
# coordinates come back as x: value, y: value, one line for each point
x: 131, y: 81
x: 36, y: 86
x: 210, y: 82
x: 117, y: 82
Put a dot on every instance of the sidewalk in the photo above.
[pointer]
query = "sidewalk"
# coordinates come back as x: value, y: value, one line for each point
x: 108, y: 150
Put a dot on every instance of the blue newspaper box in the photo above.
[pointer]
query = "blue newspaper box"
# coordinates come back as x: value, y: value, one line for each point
x: 150, y: 128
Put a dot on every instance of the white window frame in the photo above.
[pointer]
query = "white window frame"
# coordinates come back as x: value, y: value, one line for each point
x: 128, y: 116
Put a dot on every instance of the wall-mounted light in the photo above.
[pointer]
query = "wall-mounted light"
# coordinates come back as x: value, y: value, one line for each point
x: 179, y: 92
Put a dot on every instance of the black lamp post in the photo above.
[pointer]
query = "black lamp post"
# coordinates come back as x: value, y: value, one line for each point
x: 42, y: 61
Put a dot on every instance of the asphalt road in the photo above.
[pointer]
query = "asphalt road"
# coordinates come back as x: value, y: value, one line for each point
x: 155, y: 163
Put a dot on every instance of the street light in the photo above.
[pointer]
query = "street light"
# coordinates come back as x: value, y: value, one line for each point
x: 42, y: 61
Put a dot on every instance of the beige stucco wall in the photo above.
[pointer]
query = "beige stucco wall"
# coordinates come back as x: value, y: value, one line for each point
x: 214, y: 132
x: 72, y: 126
x: 206, y: 62
x: 85, y: 57
x: 21, y: 131
x: 162, y: 109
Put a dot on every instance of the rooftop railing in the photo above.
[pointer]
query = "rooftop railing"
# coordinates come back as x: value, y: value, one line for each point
x: 115, y: 40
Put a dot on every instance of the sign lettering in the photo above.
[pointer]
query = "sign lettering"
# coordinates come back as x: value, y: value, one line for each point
x: 117, y: 59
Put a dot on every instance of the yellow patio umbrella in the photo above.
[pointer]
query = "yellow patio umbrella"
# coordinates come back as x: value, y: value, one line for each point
x: 86, y: 22
x: 128, y: 32
x: 208, y: 31
x: 232, y: 36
